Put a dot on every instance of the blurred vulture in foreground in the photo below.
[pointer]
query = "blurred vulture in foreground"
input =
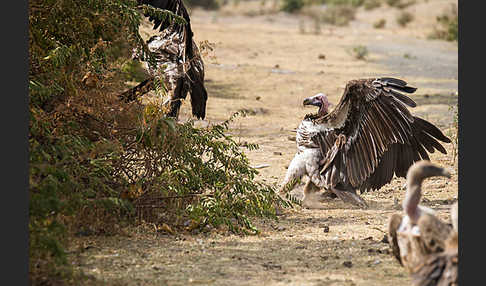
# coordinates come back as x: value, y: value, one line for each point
x: 423, y: 244
x: 178, y: 62
x: 369, y: 137
x: 441, y: 269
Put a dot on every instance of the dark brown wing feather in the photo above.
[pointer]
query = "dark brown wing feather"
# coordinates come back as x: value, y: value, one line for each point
x: 382, y: 137
x: 439, y: 269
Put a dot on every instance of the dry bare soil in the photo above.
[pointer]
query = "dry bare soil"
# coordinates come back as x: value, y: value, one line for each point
x: 267, y: 62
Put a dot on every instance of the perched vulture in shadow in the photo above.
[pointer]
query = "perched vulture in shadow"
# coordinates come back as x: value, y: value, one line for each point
x: 178, y: 62
x: 441, y: 269
x: 421, y: 242
x: 369, y: 137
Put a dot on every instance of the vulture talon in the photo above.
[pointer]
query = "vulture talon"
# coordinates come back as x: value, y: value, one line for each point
x: 352, y: 198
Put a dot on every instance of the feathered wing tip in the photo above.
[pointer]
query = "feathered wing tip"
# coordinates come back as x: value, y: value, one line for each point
x: 403, y: 98
x: 199, y: 97
x: 432, y: 130
x: 400, y: 85
x: 397, y: 84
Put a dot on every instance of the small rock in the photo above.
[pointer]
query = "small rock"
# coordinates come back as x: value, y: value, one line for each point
x: 270, y: 265
x: 348, y: 264
x: 84, y: 232
x: 384, y: 239
x: 375, y: 262
x: 277, y: 153
x: 325, y: 228
x: 321, y: 56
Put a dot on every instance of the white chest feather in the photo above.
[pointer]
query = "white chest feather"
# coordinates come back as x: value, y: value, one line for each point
x: 306, y: 130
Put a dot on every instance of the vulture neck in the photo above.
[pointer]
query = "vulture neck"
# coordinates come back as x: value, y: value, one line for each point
x: 454, y: 216
x: 412, y: 197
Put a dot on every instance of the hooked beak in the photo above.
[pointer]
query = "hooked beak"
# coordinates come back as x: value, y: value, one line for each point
x: 312, y: 101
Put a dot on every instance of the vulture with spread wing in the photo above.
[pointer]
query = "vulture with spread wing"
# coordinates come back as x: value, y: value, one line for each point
x: 178, y: 61
x: 369, y: 137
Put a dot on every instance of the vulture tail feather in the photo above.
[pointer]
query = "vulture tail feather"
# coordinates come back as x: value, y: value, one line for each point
x: 198, y: 99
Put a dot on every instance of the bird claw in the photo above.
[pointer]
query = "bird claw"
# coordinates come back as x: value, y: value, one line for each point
x: 352, y: 198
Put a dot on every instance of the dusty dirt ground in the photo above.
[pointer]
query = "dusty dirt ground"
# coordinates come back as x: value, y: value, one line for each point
x: 267, y: 63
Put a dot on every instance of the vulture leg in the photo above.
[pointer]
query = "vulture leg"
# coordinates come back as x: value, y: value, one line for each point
x: 295, y: 171
x: 311, y: 196
x: 350, y: 196
x: 327, y: 194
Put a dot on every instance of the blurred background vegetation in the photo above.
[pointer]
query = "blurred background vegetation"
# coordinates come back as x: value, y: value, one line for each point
x: 342, y: 12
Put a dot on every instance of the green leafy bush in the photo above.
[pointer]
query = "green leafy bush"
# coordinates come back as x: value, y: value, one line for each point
x: 339, y: 15
x: 354, y: 3
x: 379, y: 24
x: 134, y: 71
x: 198, y: 174
x: 359, y: 52
x: 404, y: 18
x: 448, y: 26
x: 206, y: 4
x: 400, y: 4
x: 292, y: 6
x: 371, y: 4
